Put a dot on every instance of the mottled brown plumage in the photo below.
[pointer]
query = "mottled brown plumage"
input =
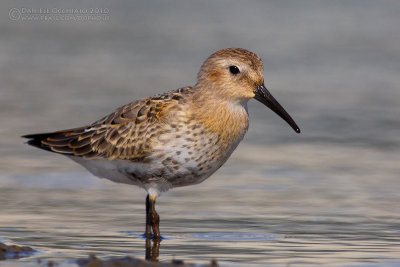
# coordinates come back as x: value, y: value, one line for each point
x: 125, y: 134
x: 173, y: 139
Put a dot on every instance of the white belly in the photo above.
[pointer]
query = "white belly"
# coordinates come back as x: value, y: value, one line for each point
x: 177, y: 160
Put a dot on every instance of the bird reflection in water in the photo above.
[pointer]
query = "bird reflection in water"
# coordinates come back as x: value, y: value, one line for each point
x: 152, y: 250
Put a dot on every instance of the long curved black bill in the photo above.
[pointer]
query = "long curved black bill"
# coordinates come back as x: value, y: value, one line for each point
x: 265, y: 97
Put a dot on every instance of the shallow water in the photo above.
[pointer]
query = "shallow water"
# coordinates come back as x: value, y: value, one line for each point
x: 328, y: 196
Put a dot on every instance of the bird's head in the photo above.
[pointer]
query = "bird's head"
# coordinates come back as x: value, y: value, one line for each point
x: 236, y: 74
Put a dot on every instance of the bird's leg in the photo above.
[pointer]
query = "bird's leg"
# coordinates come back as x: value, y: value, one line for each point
x: 147, y: 232
x: 152, y: 223
x: 154, y: 218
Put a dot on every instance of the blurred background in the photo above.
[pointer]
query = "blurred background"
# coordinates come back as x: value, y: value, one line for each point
x: 328, y: 196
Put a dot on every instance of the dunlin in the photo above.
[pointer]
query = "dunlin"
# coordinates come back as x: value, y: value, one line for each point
x: 173, y: 139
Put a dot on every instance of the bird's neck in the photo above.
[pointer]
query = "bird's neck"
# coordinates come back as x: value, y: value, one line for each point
x: 226, y: 118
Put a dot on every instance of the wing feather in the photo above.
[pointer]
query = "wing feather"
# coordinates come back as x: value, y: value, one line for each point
x: 127, y: 133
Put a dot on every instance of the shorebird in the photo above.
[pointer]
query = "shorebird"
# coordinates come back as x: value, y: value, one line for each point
x: 173, y: 139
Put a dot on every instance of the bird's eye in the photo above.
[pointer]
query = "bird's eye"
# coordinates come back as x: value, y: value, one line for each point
x: 234, y: 69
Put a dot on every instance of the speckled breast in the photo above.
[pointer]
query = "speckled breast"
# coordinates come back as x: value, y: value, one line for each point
x: 188, y: 154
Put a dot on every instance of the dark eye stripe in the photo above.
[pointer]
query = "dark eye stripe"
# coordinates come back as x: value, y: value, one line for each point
x: 234, y: 69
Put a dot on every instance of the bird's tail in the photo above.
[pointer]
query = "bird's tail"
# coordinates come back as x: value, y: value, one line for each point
x: 36, y: 140
x: 58, y: 142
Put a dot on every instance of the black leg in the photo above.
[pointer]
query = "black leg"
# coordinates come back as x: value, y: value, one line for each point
x: 152, y: 224
x: 147, y: 232
x: 154, y: 219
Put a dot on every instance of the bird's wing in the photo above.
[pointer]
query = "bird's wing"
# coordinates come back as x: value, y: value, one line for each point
x: 127, y: 133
